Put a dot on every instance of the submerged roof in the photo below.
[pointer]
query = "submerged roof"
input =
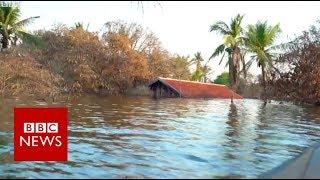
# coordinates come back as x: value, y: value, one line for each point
x: 194, y: 89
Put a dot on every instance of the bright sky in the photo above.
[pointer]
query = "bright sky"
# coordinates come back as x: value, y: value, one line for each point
x: 182, y: 27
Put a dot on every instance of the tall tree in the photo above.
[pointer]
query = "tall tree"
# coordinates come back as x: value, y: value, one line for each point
x: 259, y: 41
x: 198, y: 59
x: 180, y: 66
x: 141, y: 39
x: 232, y: 42
x: 206, y: 70
x: 12, y: 28
x: 198, y: 73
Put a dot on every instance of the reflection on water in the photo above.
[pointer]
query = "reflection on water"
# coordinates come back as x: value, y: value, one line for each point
x: 120, y: 137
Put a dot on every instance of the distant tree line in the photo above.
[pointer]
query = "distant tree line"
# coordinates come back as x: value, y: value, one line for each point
x: 125, y: 55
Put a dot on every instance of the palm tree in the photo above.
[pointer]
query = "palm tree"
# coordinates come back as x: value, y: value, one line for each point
x: 198, y: 74
x: 80, y: 25
x: 197, y: 59
x: 181, y: 66
x: 259, y: 41
x: 11, y: 27
x: 206, y: 70
x: 231, y: 45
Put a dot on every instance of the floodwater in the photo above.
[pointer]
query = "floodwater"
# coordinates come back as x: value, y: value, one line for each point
x: 127, y: 137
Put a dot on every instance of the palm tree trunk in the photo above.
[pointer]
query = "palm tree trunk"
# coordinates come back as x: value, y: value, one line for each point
x: 244, y: 68
x: 234, y: 67
x: 263, y: 72
x: 236, y: 62
x: 231, y: 73
x: 15, y: 40
x: 4, y: 42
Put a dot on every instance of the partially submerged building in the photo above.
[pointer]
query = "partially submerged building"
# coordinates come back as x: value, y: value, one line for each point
x: 167, y: 87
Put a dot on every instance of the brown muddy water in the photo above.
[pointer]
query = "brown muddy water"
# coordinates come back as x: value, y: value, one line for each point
x: 127, y: 137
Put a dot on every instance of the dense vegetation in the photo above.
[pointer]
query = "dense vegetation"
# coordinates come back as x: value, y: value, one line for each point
x: 72, y: 59
x: 256, y: 39
x: 125, y: 55
x: 296, y: 75
x: 223, y: 78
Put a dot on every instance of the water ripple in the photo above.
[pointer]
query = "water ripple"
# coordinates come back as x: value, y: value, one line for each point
x: 123, y: 137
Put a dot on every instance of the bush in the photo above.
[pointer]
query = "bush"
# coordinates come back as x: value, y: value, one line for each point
x: 75, y: 55
x: 124, y: 67
x: 76, y: 60
x: 22, y: 75
x: 223, y: 78
x: 298, y: 78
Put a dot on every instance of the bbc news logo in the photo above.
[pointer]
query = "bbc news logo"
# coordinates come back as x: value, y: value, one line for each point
x: 35, y: 141
x: 40, y: 127
x: 40, y: 134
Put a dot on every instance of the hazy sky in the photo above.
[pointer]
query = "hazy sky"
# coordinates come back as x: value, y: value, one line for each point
x: 182, y: 27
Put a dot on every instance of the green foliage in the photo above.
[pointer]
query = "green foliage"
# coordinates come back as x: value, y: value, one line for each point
x: 12, y: 28
x: 201, y: 70
x: 232, y: 46
x: 223, y: 78
x: 197, y: 75
x: 31, y: 40
x: 259, y: 40
x: 181, y: 67
x: 197, y: 60
x: 231, y: 34
x: 81, y: 26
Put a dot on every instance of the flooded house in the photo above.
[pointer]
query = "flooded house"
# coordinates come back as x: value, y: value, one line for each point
x: 167, y: 87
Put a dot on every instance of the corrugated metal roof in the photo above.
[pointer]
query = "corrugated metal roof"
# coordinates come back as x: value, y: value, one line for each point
x: 192, y: 89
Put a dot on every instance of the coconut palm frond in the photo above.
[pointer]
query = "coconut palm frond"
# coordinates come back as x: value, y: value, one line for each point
x: 25, y: 22
x: 11, y: 27
x: 220, y: 27
x: 273, y: 32
x: 219, y: 50
x: 29, y: 39
x: 11, y: 14
x: 222, y: 58
x: 235, y: 25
